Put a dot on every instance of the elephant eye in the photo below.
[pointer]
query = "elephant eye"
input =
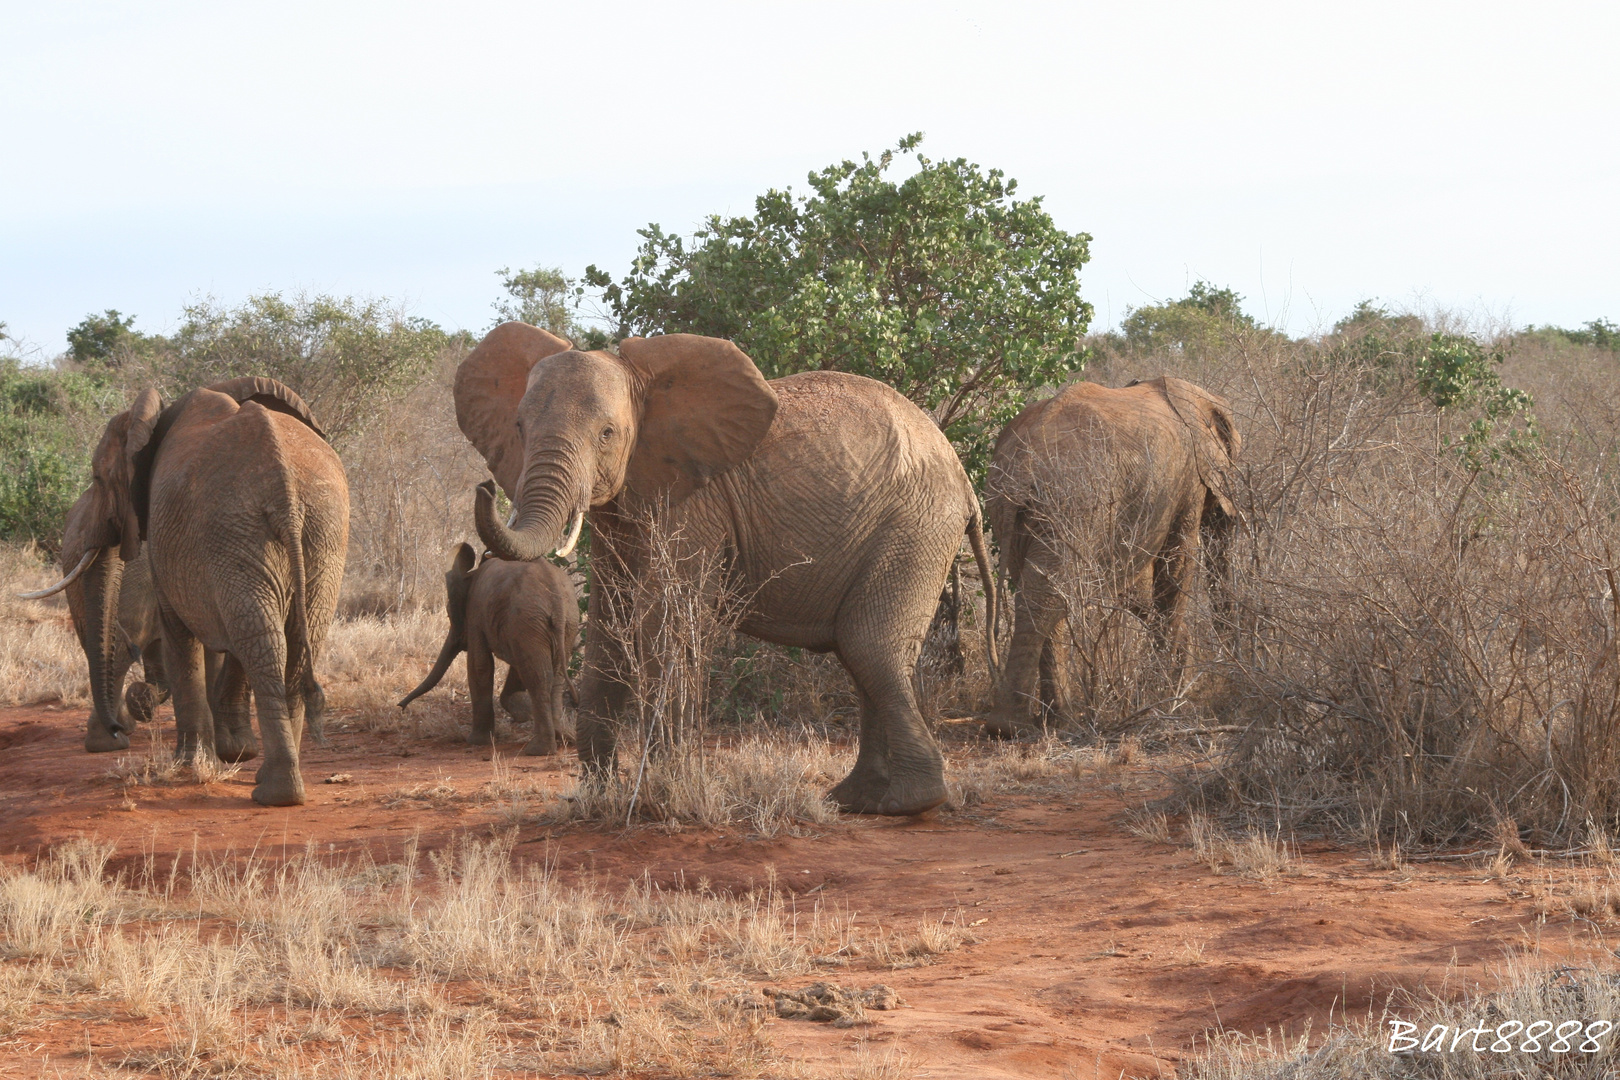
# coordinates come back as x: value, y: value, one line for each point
x: 607, y: 433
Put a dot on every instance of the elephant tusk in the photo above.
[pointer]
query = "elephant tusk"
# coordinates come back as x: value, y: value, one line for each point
x: 573, y: 535
x: 73, y: 575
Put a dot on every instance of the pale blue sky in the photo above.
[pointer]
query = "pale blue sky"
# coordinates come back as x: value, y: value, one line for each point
x: 1455, y: 155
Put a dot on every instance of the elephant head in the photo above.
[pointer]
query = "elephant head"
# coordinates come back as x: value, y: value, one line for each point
x: 102, y: 532
x: 564, y: 431
x: 107, y: 524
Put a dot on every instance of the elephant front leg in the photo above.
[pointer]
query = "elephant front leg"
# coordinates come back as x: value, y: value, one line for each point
x: 229, y: 699
x: 193, y: 721
x: 481, y: 688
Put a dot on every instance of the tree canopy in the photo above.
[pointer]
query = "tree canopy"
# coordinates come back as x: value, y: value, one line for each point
x: 944, y: 285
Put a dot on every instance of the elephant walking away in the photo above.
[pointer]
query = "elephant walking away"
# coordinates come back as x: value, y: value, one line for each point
x: 836, y: 504
x: 244, y: 511
x: 138, y: 636
x: 1131, y: 483
x: 524, y: 613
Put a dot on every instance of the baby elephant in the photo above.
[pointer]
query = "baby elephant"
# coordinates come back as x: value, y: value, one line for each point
x: 523, y: 613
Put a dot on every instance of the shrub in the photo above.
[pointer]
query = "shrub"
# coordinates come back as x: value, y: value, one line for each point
x: 347, y: 358
x: 944, y: 285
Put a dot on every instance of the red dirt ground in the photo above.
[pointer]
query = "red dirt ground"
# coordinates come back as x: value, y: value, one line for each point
x: 1087, y: 964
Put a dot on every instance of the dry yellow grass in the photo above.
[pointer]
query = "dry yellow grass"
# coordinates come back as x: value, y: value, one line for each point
x: 461, y: 964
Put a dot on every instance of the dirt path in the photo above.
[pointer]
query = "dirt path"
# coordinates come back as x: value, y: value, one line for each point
x: 1099, y: 953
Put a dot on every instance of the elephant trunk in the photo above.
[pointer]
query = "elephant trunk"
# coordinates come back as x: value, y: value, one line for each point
x: 103, y: 581
x: 549, y: 514
x: 455, y: 642
x: 447, y: 655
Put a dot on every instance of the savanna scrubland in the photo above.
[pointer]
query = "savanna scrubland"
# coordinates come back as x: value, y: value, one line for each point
x: 1415, y: 672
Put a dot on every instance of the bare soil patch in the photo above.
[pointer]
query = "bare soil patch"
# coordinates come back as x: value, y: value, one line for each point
x: 1092, y: 950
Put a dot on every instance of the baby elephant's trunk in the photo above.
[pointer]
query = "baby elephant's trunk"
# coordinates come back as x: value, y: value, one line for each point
x: 457, y: 584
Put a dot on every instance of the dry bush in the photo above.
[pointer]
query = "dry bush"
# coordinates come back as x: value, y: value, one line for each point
x: 1420, y: 644
x: 460, y: 964
x: 1527, y: 991
x: 40, y: 658
x: 666, y: 622
x: 411, y: 479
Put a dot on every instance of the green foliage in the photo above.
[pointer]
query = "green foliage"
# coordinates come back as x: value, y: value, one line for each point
x: 543, y: 297
x: 107, y: 340
x: 1199, y: 323
x: 347, y: 358
x: 1452, y: 372
x: 49, y: 421
x: 943, y: 285
x: 1600, y: 333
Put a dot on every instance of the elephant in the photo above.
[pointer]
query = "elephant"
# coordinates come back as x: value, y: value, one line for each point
x: 835, y: 504
x: 244, y: 513
x: 1135, y: 479
x: 524, y: 613
x: 138, y: 636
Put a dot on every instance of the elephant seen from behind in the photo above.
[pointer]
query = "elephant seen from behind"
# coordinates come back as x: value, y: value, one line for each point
x: 523, y: 613
x: 1111, y: 494
x: 137, y: 636
x: 243, y: 510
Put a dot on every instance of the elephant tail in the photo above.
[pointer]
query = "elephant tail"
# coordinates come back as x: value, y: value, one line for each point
x: 300, y: 663
x: 981, y: 555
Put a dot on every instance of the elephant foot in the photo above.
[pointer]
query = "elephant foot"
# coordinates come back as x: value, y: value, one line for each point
x: 141, y: 701
x: 540, y: 745
x: 234, y: 749
x: 901, y: 795
x: 1003, y: 726
x: 480, y: 736
x: 279, y: 791
x: 99, y: 740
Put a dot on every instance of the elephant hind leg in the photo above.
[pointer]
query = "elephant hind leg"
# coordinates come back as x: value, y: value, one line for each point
x: 231, y: 703
x: 899, y: 769
x: 1173, y: 573
x: 1017, y: 710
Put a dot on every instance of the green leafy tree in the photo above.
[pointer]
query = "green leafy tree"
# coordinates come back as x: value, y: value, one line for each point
x: 108, y: 340
x: 1199, y: 323
x: 944, y: 285
x: 347, y: 358
x: 543, y: 297
x: 49, y: 422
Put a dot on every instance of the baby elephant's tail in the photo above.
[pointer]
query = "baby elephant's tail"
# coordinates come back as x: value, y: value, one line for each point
x: 457, y: 584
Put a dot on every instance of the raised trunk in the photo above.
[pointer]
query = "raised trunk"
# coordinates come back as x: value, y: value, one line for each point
x: 102, y: 638
x: 545, y: 511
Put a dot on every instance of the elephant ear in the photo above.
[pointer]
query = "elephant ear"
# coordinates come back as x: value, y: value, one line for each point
x: 489, y: 385
x: 275, y: 396
x: 705, y: 407
x: 141, y: 441
x: 1216, y: 441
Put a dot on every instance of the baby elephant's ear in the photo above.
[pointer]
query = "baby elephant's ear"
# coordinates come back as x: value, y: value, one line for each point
x: 463, y: 561
x: 705, y: 407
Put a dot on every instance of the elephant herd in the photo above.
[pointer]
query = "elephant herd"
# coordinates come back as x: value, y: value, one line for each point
x: 211, y: 540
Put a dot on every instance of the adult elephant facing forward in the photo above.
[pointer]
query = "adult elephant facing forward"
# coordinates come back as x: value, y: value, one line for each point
x: 837, y: 503
x: 1127, y: 485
